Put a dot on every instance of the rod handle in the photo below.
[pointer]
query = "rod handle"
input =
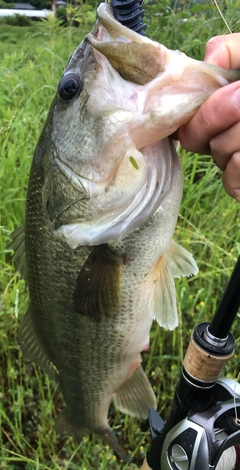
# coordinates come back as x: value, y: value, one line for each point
x: 202, y: 365
x: 145, y: 465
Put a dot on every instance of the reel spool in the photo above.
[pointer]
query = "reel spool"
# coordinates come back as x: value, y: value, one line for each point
x: 230, y: 457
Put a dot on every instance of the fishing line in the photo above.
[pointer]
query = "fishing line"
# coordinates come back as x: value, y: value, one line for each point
x: 221, y: 14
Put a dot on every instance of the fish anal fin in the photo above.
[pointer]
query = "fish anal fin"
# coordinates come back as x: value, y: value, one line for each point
x: 18, y: 246
x: 180, y: 261
x: 32, y: 347
x: 97, y: 293
x: 136, y: 395
x: 66, y: 426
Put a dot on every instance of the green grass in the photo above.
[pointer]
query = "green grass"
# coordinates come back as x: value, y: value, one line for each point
x: 31, y: 66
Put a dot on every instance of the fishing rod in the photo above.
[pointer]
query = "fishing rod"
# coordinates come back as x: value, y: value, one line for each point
x: 203, y: 428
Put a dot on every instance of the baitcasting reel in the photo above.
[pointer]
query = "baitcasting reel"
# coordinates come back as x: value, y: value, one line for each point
x: 207, y: 440
x: 203, y: 429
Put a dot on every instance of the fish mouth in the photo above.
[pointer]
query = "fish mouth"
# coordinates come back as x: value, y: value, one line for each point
x: 140, y: 60
x: 135, y: 57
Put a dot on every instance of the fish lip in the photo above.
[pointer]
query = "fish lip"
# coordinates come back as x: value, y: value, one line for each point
x: 81, y: 59
x: 137, y: 58
x: 108, y: 30
x: 113, y: 27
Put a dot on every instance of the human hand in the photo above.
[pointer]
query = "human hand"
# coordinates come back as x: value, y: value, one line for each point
x: 215, y: 128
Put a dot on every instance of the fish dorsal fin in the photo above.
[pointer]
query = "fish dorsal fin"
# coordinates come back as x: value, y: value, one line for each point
x: 175, y: 263
x: 18, y: 246
x: 32, y: 347
x: 136, y: 396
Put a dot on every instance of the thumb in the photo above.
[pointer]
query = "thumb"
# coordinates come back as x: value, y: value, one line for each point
x: 224, y: 51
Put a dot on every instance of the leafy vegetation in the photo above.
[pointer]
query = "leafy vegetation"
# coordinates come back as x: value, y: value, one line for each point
x: 6, y: 5
x: 38, y: 4
x: 78, y: 15
x: 17, y: 20
x: 31, y: 66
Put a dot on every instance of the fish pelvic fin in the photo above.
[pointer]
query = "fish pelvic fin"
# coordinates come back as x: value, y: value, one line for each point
x: 175, y: 263
x: 66, y: 426
x: 18, y: 246
x: 32, y: 347
x: 136, y: 395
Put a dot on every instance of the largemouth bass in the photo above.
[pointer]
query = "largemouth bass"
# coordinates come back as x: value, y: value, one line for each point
x: 102, y: 203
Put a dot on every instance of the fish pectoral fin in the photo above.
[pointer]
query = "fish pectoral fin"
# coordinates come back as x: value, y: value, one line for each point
x: 66, y: 426
x: 18, y: 246
x: 97, y: 293
x: 136, y: 396
x: 32, y: 347
x: 180, y: 261
x: 177, y: 262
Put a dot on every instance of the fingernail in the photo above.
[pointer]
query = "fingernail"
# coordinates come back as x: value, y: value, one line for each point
x: 211, y: 57
x: 216, y: 53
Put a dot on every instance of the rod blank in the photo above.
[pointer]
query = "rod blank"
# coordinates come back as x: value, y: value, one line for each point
x: 228, y: 306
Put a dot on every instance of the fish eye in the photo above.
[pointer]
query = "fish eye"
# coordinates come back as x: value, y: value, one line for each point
x: 69, y: 86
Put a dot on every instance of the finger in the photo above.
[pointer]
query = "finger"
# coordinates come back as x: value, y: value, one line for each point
x: 224, y: 51
x: 231, y: 176
x: 224, y: 145
x: 219, y: 112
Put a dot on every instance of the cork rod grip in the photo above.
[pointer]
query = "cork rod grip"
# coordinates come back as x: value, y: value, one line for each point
x: 203, y: 365
x: 145, y: 465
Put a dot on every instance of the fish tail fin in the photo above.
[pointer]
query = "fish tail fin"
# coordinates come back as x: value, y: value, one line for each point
x: 136, y: 395
x: 175, y: 263
x: 66, y: 426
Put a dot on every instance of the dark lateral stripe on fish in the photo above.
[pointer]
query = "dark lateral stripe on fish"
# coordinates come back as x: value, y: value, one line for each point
x: 97, y: 293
